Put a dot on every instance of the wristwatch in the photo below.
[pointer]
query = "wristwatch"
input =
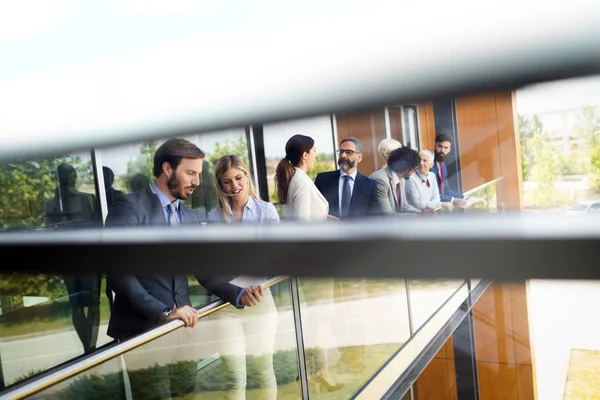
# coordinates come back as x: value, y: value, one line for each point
x: 165, y: 313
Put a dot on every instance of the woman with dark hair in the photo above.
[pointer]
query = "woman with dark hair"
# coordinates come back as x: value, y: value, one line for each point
x: 297, y: 193
x: 302, y: 201
x: 249, y: 330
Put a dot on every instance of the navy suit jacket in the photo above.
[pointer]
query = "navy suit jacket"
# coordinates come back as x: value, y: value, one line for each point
x: 448, y: 193
x: 140, y: 300
x: 364, y: 195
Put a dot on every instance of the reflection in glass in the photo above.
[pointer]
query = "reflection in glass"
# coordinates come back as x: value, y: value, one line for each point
x: 351, y: 328
x: 426, y: 296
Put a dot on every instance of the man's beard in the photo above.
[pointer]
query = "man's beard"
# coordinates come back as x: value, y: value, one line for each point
x: 345, y: 164
x: 176, y: 190
x: 439, y: 156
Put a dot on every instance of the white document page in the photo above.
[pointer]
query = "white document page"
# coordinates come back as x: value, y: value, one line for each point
x: 248, y: 281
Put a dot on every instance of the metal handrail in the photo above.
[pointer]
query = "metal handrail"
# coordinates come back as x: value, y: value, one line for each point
x: 475, y: 189
x: 63, y: 373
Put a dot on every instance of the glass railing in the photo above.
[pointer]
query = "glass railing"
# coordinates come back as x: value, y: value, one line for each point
x: 343, y: 337
x: 489, y: 197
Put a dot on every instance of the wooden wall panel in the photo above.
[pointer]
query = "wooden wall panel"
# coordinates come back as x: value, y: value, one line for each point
x: 426, y: 126
x: 477, y: 123
x: 438, y: 380
x: 502, y: 342
x: 510, y: 150
x: 369, y: 128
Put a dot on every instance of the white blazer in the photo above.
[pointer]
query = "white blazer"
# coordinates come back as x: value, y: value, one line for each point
x: 304, y: 201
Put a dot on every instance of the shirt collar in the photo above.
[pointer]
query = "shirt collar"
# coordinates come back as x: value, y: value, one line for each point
x: 250, y: 205
x: 421, y: 176
x: 164, y: 200
x: 352, y: 175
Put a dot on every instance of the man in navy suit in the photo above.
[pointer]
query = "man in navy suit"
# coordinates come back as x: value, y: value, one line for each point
x: 349, y: 193
x: 443, y: 146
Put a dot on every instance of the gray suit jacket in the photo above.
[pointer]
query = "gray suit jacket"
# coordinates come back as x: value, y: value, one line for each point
x: 140, y: 300
x: 386, y: 193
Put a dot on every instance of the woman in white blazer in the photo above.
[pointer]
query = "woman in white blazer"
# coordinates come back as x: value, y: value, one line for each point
x: 299, y: 196
x: 302, y: 201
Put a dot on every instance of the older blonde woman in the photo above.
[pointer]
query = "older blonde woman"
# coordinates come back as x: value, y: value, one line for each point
x: 421, y: 189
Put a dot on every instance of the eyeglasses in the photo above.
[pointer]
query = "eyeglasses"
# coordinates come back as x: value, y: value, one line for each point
x: 348, y: 152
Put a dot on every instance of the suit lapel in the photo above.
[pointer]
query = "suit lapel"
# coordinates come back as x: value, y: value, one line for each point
x: 389, y: 173
x: 157, y: 215
x: 357, y: 191
x: 334, y: 192
x: 188, y: 217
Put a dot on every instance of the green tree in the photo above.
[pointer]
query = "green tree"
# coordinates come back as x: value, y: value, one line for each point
x: 543, y: 170
x: 528, y: 128
x: 595, y: 167
x: 237, y: 147
x: 142, y: 164
x: 588, y: 127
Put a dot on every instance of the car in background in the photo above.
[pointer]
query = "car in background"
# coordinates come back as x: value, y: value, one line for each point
x: 584, y: 208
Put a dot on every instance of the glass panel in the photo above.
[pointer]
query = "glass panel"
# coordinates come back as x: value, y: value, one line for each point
x: 411, y: 131
x: 48, y: 319
x: 48, y: 193
x: 351, y: 328
x: 276, y: 135
x: 230, y: 354
x: 426, y: 296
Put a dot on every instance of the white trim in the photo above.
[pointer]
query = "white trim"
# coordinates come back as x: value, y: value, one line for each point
x: 334, y: 133
x: 101, y: 185
x: 252, y: 154
x: 388, y: 129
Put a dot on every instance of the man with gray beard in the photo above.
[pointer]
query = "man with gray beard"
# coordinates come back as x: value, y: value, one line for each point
x: 349, y: 193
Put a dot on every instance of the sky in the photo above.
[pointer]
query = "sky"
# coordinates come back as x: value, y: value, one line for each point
x: 559, y: 95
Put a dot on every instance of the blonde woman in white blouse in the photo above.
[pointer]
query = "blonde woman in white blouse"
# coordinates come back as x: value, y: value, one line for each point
x: 299, y: 196
x: 421, y: 189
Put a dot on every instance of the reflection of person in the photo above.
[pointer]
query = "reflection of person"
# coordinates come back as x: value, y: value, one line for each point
x: 443, y: 146
x: 138, y: 181
x: 204, y: 198
x: 249, y: 330
x: 303, y: 202
x: 349, y: 193
x: 111, y: 192
x: 300, y: 197
x: 69, y: 209
x: 422, y: 190
x: 143, y: 302
x: 391, y: 191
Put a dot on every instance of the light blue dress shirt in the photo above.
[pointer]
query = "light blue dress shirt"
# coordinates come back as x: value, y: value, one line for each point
x: 255, y: 212
x: 164, y: 202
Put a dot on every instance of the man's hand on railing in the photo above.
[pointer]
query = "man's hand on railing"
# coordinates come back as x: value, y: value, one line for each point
x: 252, y: 296
x: 187, y: 314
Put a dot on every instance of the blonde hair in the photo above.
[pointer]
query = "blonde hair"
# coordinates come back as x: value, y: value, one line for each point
x: 223, y: 165
x: 386, y: 146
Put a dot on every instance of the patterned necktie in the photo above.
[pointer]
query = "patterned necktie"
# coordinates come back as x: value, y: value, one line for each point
x: 399, y: 196
x: 173, y: 215
x: 346, y: 195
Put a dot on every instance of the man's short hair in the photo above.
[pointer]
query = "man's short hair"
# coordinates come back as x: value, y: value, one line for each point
x: 442, y: 137
x: 386, y: 146
x: 172, y: 151
x: 354, y: 140
x: 403, y: 159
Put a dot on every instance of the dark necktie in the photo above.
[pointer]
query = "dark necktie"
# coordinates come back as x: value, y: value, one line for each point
x: 346, y: 195
x: 441, y: 178
x: 399, y: 196
x: 173, y: 215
